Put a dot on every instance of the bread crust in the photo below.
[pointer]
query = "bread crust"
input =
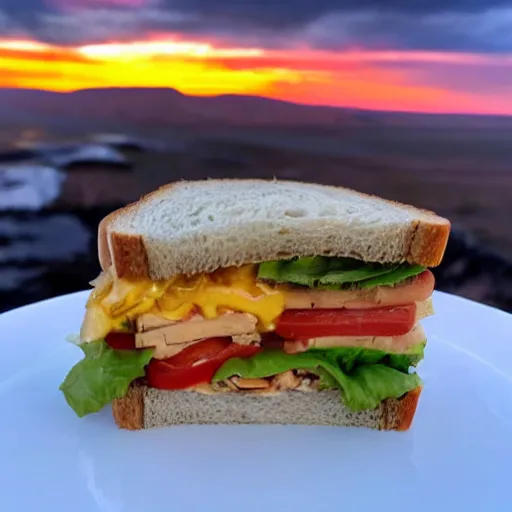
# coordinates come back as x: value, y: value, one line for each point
x: 394, y: 414
x: 428, y: 243
x: 399, y: 414
x: 129, y: 256
x: 427, y: 238
x: 128, y: 411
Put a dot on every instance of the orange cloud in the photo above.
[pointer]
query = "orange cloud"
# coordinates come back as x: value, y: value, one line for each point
x: 186, y: 67
x: 16, y: 78
x: 52, y: 55
x: 356, y: 78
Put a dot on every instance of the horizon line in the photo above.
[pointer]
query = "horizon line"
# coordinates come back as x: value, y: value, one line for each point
x: 270, y: 98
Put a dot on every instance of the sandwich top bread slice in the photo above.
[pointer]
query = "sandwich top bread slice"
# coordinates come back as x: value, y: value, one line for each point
x: 194, y: 227
x: 246, y: 301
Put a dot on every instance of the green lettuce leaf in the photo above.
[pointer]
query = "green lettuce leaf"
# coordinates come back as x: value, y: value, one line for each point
x: 369, y: 384
x: 403, y: 362
x: 364, y: 377
x: 335, y: 273
x: 302, y: 271
x: 399, y: 274
x: 102, y: 375
x: 348, y: 358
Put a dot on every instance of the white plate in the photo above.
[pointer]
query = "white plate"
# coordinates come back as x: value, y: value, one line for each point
x: 457, y: 454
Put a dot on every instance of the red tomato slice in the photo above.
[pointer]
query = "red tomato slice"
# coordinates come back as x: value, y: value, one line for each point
x: 183, y: 371
x: 302, y: 324
x: 205, y: 349
x: 121, y: 340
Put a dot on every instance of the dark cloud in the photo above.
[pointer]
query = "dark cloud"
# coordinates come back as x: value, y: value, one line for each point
x: 24, y: 15
x: 297, y: 12
x: 471, y: 25
x: 487, y: 31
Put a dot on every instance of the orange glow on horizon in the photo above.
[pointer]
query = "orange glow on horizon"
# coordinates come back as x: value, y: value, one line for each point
x: 352, y: 78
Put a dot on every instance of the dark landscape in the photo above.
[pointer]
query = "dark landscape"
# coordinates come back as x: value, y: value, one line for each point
x: 459, y: 166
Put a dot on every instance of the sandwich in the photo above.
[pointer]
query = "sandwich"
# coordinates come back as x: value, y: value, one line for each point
x: 254, y: 301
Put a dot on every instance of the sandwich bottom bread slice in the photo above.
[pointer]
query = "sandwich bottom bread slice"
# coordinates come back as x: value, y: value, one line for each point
x: 146, y: 407
x: 307, y: 338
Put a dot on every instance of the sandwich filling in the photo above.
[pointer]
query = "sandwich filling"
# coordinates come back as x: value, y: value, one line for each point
x: 305, y: 324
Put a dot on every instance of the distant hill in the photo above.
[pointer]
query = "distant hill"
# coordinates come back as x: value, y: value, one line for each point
x: 162, y: 106
x: 158, y: 106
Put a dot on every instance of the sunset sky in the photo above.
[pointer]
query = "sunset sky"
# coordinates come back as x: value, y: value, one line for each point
x: 428, y: 56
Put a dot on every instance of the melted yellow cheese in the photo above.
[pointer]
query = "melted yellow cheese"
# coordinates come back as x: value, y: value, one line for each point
x: 114, y: 302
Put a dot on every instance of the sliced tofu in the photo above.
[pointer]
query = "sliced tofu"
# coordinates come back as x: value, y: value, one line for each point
x: 150, y: 321
x: 250, y: 383
x: 247, y: 339
x: 165, y: 339
x: 303, y: 298
x: 423, y: 309
x: 395, y: 344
